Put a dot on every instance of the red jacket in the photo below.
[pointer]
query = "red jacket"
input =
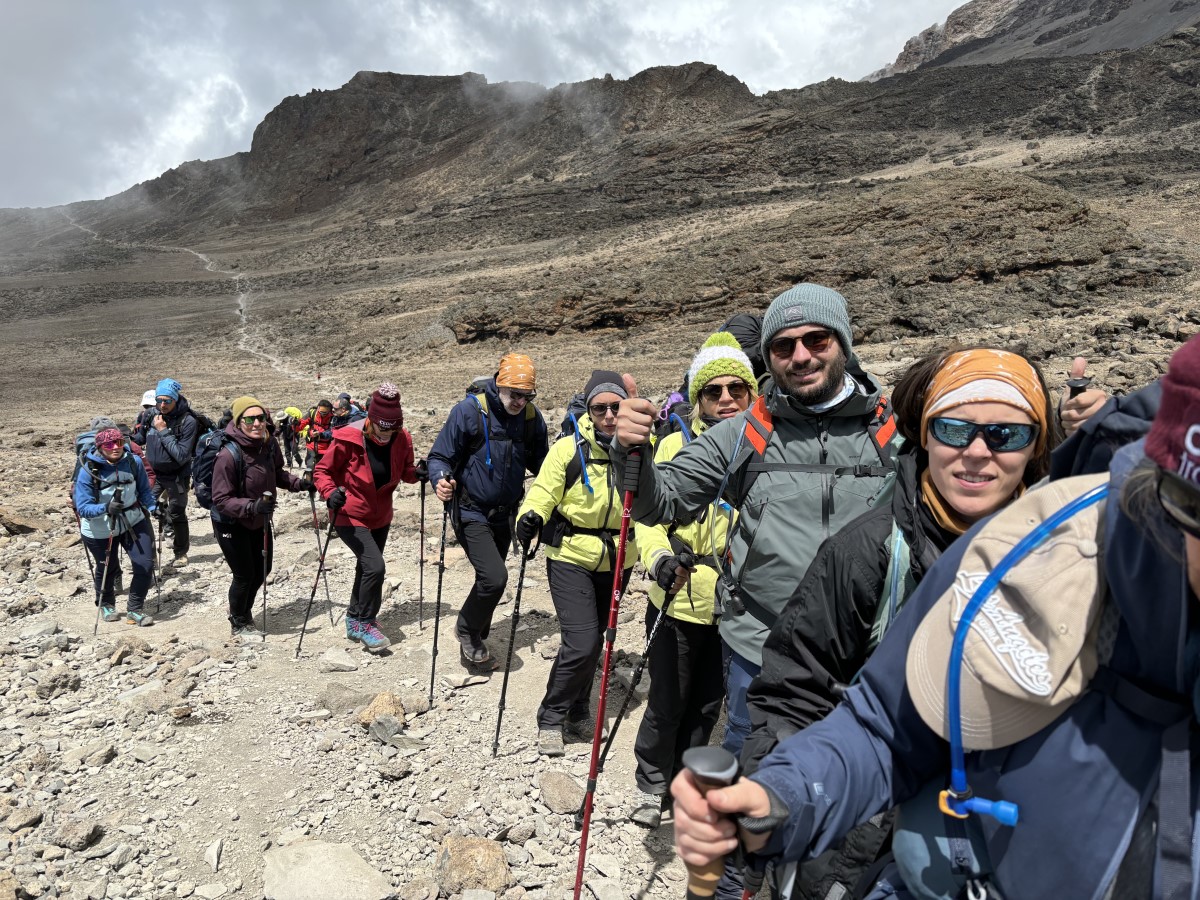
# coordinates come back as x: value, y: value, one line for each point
x: 345, y: 465
x: 317, y: 425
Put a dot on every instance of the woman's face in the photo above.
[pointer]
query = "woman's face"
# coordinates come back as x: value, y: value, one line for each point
x: 112, y: 451
x: 382, y: 436
x: 976, y: 480
x: 603, y: 410
x: 717, y: 400
x: 254, y: 423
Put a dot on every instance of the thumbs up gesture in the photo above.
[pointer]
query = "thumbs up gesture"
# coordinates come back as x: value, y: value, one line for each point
x: 1080, y: 402
x: 635, y: 418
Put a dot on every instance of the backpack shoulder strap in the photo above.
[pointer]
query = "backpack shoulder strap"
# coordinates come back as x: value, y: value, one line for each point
x: 882, y: 429
x: 756, y: 435
x: 898, y: 583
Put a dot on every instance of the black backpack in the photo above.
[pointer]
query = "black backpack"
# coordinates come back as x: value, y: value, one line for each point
x: 475, y: 391
x: 205, y: 460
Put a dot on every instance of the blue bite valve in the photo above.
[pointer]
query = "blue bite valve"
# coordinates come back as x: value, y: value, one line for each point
x: 1001, y: 810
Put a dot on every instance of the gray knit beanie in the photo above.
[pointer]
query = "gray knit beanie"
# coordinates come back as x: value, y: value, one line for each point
x: 99, y: 423
x: 807, y: 304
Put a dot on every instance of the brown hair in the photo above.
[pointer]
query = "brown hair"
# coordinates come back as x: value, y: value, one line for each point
x: 1139, y: 501
x: 908, y: 402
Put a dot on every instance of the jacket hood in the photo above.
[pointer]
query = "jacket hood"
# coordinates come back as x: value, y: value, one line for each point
x: 863, y: 401
x: 181, y: 408
x: 352, y: 433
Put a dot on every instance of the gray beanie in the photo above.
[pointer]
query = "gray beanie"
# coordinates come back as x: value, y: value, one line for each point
x: 807, y: 304
x: 100, y: 423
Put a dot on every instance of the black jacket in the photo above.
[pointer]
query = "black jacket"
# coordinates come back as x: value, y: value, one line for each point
x: 170, y: 450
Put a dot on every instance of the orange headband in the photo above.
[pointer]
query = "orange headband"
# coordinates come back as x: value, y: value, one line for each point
x: 986, y: 376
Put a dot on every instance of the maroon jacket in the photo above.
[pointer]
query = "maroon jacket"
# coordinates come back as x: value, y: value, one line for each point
x: 345, y: 465
x: 264, y: 471
x: 141, y: 454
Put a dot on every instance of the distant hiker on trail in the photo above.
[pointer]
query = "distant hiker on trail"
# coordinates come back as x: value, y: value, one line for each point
x: 289, y: 431
x: 345, y: 412
x: 318, y: 430
x: 1032, y: 713
x: 170, y: 444
x: 145, y: 418
x: 478, y: 464
x: 113, y: 497
x: 246, y: 468
x: 575, y: 503
x: 357, y: 477
x: 686, y: 684
x: 806, y: 459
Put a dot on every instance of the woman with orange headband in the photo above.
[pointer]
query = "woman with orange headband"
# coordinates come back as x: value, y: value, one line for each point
x: 978, y: 429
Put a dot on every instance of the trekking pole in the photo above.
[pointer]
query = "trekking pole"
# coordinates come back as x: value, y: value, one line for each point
x: 421, y: 564
x: 86, y: 555
x: 312, y: 499
x: 112, y: 532
x: 633, y: 466
x: 512, y: 640
x: 316, y: 583
x: 266, y: 571
x: 437, y: 611
x: 155, y: 570
x: 687, y: 559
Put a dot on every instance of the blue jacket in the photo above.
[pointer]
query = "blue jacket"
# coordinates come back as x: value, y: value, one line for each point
x: 170, y: 450
x: 97, y: 483
x: 1081, y: 782
x: 487, y: 492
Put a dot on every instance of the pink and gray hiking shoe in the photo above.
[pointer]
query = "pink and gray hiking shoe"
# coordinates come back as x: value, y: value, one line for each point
x: 372, y: 638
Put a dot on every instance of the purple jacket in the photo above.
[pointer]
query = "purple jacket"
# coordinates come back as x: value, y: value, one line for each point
x: 262, y: 463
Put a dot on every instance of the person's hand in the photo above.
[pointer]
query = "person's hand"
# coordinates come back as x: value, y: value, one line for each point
x: 635, y: 422
x: 704, y: 822
x: 264, y: 505
x: 159, y: 422
x: 445, y: 489
x: 528, y: 527
x: 422, y: 468
x: 304, y: 485
x: 115, y: 507
x: 326, y: 435
x: 671, y: 574
x: 1074, y: 411
x: 337, y: 499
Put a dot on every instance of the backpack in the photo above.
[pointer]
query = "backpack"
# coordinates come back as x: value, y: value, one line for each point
x: 475, y: 391
x: 85, y: 442
x: 576, y: 407
x: 674, y: 417
x: 205, y: 460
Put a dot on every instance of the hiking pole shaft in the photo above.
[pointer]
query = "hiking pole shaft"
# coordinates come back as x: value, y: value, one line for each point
x: 312, y: 499
x: 86, y: 553
x: 632, y: 470
x: 266, y: 550
x: 112, y: 532
x: 437, y: 611
x: 316, y: 584
x: 512, y: 640
x: 155, y: 570
x: 421, y: 564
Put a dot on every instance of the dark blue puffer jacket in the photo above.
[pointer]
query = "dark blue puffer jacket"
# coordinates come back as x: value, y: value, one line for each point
x: 170, y: 450
x: 1081, y: 783
x: 489, y: 463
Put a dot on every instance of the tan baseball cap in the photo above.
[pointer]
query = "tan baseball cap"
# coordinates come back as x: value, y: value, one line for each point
x: 1031, y: 650
x: 516, y: 370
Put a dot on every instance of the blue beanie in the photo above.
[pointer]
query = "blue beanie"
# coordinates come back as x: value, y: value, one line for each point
x: 807, y: 304
x: 168, y: 387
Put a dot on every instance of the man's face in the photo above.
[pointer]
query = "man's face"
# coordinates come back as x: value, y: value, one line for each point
x: 342, y: 409
x: 165, y: 405
x: 514, y: 400
x: 807, y: 363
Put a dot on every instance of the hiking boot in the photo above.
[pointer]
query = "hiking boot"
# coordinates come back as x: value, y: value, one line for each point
x: 550, y: 742
x: 353, y: 629
x: 647, y: 810
x: 180, y: 560
x: 246, y: 633
x: 139, y: 618
x: 474, y: 650
x: 584, y: 728
x: 372, y: 638
x: 109, y: 613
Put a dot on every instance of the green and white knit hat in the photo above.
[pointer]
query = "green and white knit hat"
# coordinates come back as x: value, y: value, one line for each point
x: 720, y: 355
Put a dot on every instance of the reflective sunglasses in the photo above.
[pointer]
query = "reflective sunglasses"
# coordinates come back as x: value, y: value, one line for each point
x: 1000, y: 437
x: 739, y: 390
x: 1180, y: 500
x: 601, y: 409
x: 253, y: 419
x: 163, y: 401
x: 814, y: 342
x: 108, y: 445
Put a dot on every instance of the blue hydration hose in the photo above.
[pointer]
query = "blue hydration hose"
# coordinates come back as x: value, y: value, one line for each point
x: 487, y: 441
x: 958, y: 800
x: 687, y: 433
x: 587, y: 482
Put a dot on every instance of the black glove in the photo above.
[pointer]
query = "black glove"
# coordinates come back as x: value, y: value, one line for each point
x: 664, y: 574
x: 326, y: 435
x: 528, y: 527
x: 305, y: 485
x: 264, y: 505
x: 422, y: 468
x: 115, y: 507
x: 337, y: 499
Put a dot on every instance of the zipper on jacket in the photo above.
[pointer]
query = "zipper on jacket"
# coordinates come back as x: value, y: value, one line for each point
x: 826, y: 480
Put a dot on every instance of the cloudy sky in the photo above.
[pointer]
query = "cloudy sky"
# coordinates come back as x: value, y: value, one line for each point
x: 97, y: 95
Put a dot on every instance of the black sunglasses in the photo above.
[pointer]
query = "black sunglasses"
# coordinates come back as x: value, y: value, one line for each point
x: 601, y: 409
x: 1000, y: 437
x: 1180, y: 500
x: 253, y: 419
x: 739, y: 390
x: 814, y: 342
x: 162, y: 401
x: 527, y: 396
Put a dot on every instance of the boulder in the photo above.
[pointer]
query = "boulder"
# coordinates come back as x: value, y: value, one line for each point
x: 560, y: 792
x: 383, y: 704
x: 316, y: 870
x: 471, y: 863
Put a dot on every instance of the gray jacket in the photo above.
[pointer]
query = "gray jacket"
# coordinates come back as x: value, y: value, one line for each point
x: 787, y: 512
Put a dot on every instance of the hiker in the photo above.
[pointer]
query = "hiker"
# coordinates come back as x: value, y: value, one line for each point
x: 356, y: 477
x: 977, y: 428
x: 349, y: 404
x: 145, y: 418
x: 170, y: 444
x: 318, y: 430
x: 289, y: 433
x: 478, y: 465
x: 686, y: 685
x: 1076, y: 692
x: 578, y: 503
x: 248, y: 467
x: 803, y: 461
x: 345, y: 412
x: 113, y: 497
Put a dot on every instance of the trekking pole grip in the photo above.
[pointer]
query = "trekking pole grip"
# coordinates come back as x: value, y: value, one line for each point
x: 711, y: 767
x: 633, y: 471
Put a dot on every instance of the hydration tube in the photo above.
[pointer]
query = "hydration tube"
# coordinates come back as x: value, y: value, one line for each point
x: 687, y: 432
x: 583, y: 473
x: 487, y: 442
x: 958, y: 801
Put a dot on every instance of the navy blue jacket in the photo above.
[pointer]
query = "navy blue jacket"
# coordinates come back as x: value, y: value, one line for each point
x: 170, y: 450
x: 1081, y: 782
x: 487, y: 492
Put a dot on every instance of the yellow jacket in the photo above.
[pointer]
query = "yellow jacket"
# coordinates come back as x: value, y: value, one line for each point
x: 598, y: 508
x: 696, y: 604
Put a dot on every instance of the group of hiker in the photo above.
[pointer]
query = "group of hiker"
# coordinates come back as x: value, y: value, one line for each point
x: 816, y: 552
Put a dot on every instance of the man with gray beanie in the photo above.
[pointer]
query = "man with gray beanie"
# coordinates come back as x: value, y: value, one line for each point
x: 806, y: 459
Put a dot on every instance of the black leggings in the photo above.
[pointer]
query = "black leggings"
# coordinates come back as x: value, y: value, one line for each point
x: 367, y: 544
x: 243, y: 551
x: 485, y: 546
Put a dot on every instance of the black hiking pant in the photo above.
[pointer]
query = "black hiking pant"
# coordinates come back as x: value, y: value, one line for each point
x: 684, y: 703
x: 486, y: 545
x: 242, y: 548
x: 581, y: 600
x: 366, y: 596
x: 138, y: 543
x: 175, y: 487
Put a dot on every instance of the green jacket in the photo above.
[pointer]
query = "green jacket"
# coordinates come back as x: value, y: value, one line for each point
x: 785, y: 515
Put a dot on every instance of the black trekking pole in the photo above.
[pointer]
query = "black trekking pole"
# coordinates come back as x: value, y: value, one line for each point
x: 421, y: 564
x: 266, y: 571
x: 687, y: 559
x: 512, y: 641
x: 316, y: 583
x: 633, y: 466
x: 437, y: 611
x: 86, y: 553
x: 157, y: 568
x: 312, y: 498
x: 112, y: 532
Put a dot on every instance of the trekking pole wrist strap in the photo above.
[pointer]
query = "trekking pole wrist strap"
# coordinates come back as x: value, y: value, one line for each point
x: 776, y: 816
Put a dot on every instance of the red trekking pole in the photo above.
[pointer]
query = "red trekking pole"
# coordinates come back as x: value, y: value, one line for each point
x: 633, y: 467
